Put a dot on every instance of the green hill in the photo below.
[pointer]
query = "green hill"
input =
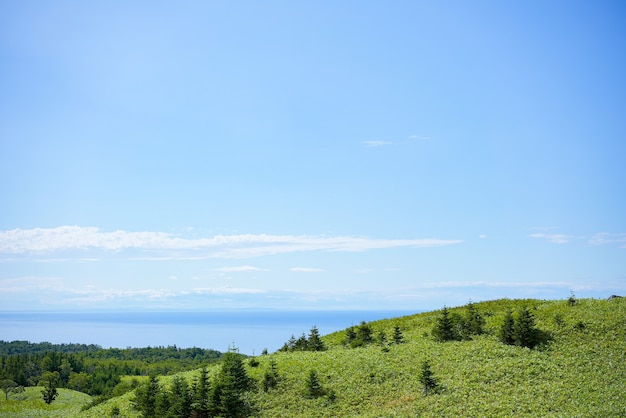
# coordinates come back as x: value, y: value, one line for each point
x: 580, y: 370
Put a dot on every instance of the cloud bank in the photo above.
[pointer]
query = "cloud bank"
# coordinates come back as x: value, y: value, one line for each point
x: 39, y: 241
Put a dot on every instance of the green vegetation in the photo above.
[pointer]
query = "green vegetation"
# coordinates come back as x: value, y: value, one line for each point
x: 505, y: 358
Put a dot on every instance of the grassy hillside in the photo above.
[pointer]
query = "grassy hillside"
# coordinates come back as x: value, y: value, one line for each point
x: 30, y: 404
x: 580, y: 372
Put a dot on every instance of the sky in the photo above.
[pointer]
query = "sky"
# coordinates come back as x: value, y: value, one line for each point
x: 208, y: 155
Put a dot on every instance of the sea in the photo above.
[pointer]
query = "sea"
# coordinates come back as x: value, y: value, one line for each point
x: 250, y: 332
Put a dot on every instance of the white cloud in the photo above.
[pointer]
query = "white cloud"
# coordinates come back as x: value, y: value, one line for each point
x: 306, y: 270
x: 164, y: 246
x: 604, y: 238
x: 553, y: 238
x: 376, y: 143
x: 238, y: 269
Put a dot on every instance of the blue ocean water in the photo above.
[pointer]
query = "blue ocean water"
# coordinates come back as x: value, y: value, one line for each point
x: 249, y: 331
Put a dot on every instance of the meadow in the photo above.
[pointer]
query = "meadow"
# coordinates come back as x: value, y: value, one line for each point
x: 580, y: 370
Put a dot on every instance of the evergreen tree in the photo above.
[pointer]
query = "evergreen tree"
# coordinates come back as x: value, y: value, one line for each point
x: 507, y: 330
x: 426, y: 378
x: 315, y: 343
x: 364, y: 333
x: 444, y: 329
x: 231, y: 384
x: 524, y: 331
x: 382, y: 338
x: 474, y: 322
x: 398, y: 338
x: 179, y: 399
x: 301, y: 343
x: 350, y: 336
x: 313, y: 386
x: 146, y: 397
x: 270, y: 378
x: 200, y: 395
x: 49, y: 381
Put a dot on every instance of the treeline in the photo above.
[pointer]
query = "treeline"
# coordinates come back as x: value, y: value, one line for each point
x: 96, y: 372
x: 8, y: 348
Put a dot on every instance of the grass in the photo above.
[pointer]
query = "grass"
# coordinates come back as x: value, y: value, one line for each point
x: 580, y: 372
x: 30, y: 404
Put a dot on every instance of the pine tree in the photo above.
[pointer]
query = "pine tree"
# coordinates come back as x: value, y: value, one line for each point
x: 315, y: 343
x: 350, y: 336
x: 398, y: 338
x: 426, y: 378
x: 524, y: 331
x: 313, y: 386
x: 474, y: 322
x: 231, y: 384
x: 507, y: 330
x: 146, y: 397
x: 270, y: 378
x: 364, y: 333
x: 200, y: 395
x: 179, y: 398
x: 444, y: 329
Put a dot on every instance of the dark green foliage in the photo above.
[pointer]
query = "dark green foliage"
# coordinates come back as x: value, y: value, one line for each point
x: 525, y: 333
x: 474, y: 322
x: 200, y: 391
x: 179, y: 399
x: 313, y: 386
x: 49, y: 381
x: 521, y: 331
x: 507, y: 330
x: 350, y: 336
x: 382, y: 338
x: 314, y: 342
x: 364, y: 333
x: 398, y: 338
x: 427, y: 379
x: 360, y: 336
x: 271, y: 377
x: 146, y: 397
x: 231, y: 384
x: 445, y: 328
x: 571, y: 301
x: 94, y: 371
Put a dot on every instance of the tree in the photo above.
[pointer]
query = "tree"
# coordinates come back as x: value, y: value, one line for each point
x: 507, y: 330
x: 524, y: 331
x: 365, y: 333
x: 313, y: 386
x: 179, y: 398
x: 315, y: 343
x: 426, y: 378
x: 398, y: 338
x: 350, y: 336
x: 9, y: 386
x: 146, y: 397
x: 270, y: 378
x: 49, y: 381
x: 231, y: 384
x: 444, y: 329
x: 474, y: 322
x: 200, y: 395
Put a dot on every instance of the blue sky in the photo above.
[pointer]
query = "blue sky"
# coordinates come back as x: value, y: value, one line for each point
x: 310, y: 155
